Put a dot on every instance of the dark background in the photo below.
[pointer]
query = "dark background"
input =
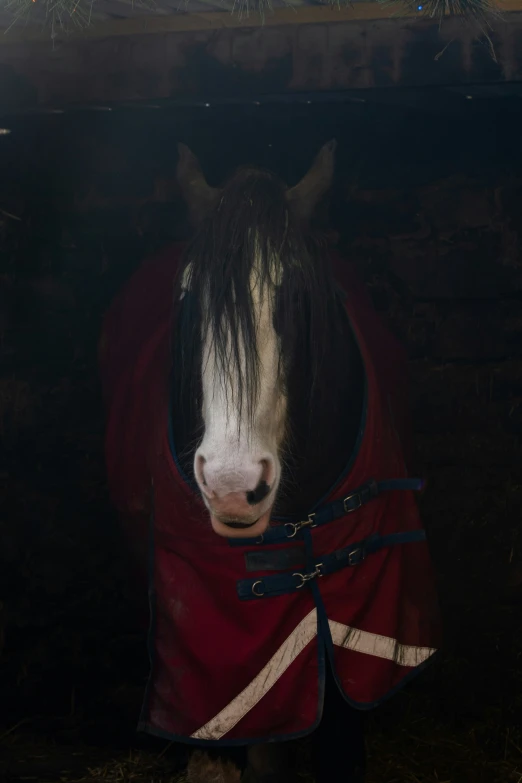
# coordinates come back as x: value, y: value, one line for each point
x: 428, y: 203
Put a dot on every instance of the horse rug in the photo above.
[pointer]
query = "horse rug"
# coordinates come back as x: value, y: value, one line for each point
x: 241, y: 630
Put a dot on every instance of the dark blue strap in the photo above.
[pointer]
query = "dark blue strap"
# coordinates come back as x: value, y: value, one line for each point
x: 350, y: 556
x: 335, y: 510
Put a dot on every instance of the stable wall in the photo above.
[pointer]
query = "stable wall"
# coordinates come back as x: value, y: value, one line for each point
x: 211, y: 55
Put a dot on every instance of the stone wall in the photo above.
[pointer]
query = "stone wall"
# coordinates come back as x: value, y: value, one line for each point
x: 443, y: 262
x: 450, y: 250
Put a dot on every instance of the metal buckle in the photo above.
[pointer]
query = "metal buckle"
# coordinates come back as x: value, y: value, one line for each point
x: 352, y: 561
x: 358, y: 502
x: 308, y: 577
x: 258, y: 595
x: 295, y: 527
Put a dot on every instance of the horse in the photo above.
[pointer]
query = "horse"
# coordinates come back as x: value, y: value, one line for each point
x: 257, y: 450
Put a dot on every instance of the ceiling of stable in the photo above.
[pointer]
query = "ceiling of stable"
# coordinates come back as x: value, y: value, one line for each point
x: 101, y: 11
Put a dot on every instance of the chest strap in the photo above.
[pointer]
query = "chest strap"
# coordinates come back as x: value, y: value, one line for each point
x: 289, y: 530
x: 350, y: 556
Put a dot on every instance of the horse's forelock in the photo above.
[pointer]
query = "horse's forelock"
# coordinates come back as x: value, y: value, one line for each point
x: 249, y: 247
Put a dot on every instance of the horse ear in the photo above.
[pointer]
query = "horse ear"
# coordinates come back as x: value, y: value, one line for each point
x: 304, y: 197
x: 198, y: 194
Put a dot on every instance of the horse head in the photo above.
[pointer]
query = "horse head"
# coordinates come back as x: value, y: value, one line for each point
x: 254, y: 294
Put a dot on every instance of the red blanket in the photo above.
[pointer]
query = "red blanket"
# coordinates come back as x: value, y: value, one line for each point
x: 234, y: 660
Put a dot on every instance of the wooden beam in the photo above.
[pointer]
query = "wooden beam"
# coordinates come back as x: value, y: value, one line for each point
x: 217, y: 20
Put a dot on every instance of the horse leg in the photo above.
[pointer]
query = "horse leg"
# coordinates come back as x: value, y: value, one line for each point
x: 211, y: 767
x: 338, y: 750
x: 270, y: 763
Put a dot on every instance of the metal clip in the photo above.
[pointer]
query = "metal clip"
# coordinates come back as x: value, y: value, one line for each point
x: 308, y: 577
x: 258, y: 595
x: 295, y: 527
x: 353, y: 497
x: 356, y: 556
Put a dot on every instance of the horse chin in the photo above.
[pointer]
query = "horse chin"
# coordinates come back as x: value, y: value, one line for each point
x: 253, y: 530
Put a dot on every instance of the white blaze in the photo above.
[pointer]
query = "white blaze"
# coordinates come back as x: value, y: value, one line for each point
x: 240, y: 445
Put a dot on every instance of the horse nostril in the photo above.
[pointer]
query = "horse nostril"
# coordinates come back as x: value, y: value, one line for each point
x: 258, y: 494
x: 265, y: 483
x: 268, y: 471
